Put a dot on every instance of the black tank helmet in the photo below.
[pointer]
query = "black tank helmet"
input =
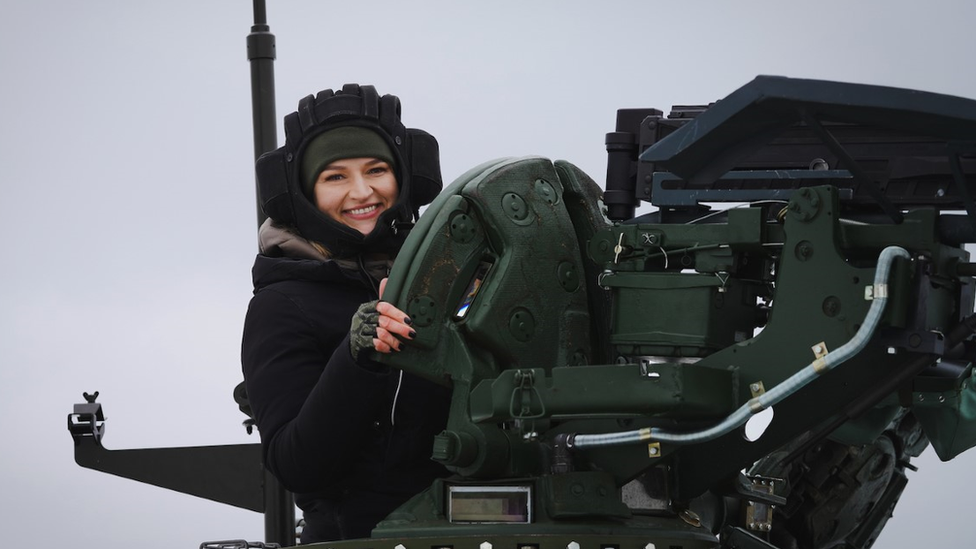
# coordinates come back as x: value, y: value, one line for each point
x: 417, y: 169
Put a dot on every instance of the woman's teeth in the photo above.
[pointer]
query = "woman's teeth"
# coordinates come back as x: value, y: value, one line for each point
x: 367, y: 209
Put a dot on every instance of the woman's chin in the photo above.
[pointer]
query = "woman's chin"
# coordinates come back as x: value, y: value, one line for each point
x: 364, y: 228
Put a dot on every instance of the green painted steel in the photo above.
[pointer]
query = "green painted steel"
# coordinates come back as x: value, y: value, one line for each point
x: 550, y: 322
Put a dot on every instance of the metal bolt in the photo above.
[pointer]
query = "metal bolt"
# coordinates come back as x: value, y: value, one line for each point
x: 819, y: 164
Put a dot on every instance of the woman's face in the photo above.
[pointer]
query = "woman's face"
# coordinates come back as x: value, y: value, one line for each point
x: 355, y: 191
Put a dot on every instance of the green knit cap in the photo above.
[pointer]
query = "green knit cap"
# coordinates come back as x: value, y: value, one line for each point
x: 345, y: 142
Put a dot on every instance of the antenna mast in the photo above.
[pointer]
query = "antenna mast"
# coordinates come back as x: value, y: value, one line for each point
x: 261, y: 55
x: 279, y: 507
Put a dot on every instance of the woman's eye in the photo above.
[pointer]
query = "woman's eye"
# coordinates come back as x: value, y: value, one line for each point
x: 378, y: 170
x: 333, y: 177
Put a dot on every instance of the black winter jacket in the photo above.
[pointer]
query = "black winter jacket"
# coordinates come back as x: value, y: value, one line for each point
x: 352, y: 441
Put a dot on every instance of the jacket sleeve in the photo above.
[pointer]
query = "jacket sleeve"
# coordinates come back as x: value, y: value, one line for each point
x: 312, y: 420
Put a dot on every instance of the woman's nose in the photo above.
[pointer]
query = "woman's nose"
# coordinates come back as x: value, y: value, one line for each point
x: 360, y: 187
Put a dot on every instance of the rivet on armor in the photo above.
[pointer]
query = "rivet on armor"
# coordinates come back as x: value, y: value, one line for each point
x: 546, y: 191
x: 421, y: 310
x: 521, y: 324
x: 515, y: 207
x: 462, y: 228
x: 568, y: 276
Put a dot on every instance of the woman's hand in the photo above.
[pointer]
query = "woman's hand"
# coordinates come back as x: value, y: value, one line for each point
x: 379, y: 325
x: 393, y: 326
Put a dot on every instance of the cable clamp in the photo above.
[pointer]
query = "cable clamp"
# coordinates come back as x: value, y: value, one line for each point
x: 876, y: 291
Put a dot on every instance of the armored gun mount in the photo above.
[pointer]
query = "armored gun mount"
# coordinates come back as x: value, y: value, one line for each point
x: 603, y: 373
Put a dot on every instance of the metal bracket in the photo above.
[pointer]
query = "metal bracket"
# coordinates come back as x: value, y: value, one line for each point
x: 759, y: 513
x: 757, y: 388
x: 654, y: 450
x: 87, y: 419
x: 522, y: 396
x: 819, y: 350
x: 231, y: 474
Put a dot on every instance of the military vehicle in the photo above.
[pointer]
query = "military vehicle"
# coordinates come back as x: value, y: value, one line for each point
x: 753, y: 365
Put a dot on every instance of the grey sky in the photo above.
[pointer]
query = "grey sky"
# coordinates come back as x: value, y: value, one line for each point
x: 127, y: 183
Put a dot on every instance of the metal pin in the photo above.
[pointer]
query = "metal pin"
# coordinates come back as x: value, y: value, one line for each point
x: 618, y: 249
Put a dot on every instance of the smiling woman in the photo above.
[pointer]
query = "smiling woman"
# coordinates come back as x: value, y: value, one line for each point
x: 349, y: 174
x: 340, y: 196
x: 356, y: 191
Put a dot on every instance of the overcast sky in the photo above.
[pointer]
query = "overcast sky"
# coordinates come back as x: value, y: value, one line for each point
x: 126, y: 180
